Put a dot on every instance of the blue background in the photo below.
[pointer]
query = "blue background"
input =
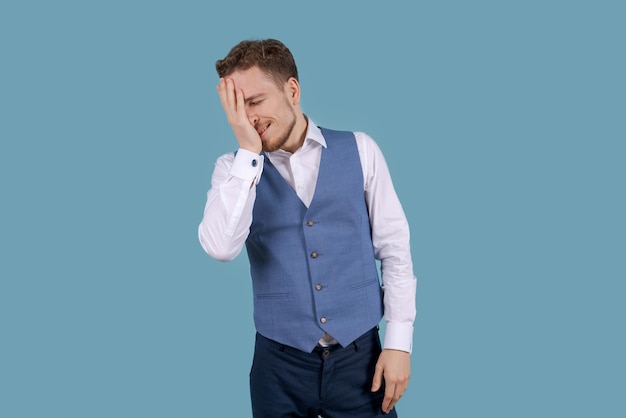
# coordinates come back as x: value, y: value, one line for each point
x: 504, y: 127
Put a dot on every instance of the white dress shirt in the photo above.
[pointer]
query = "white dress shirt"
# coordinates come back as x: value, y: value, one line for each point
x: 228, y: 215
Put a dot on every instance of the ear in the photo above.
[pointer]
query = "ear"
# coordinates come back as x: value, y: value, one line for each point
x: 292, y: 89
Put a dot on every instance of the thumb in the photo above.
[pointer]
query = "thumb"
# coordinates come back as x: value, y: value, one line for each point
x: 378, y: 379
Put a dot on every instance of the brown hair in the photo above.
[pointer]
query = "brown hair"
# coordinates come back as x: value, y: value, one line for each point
x: 271, y: 56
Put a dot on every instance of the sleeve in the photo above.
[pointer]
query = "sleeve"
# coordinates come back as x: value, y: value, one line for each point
x: 391, y: 240
x: 227, y: 215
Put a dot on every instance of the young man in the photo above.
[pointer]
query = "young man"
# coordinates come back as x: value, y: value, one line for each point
x: 315, y: 209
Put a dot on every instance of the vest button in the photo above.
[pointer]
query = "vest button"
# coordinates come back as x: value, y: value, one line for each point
x: 323, y: 320
x: 318, y: 287
x: 309, y: 223
x: 313, y: 254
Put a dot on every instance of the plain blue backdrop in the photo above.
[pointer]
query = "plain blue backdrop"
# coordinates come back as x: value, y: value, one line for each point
x: 503, y: 124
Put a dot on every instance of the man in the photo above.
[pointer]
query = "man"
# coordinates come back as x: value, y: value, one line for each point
x: 315, y: 209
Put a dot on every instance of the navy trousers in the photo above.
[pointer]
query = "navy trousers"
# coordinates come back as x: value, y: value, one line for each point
x: 330, y: 382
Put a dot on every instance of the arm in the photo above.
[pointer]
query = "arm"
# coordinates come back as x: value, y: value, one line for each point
x: 390, y: 236
x: 228, y: 210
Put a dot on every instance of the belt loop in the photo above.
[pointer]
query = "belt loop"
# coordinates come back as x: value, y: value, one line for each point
x: 356, y: 346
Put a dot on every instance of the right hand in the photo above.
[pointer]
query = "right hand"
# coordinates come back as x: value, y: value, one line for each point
x: 235, y: 108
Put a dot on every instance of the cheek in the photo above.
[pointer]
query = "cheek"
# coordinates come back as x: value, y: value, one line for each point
x: 263, y: 109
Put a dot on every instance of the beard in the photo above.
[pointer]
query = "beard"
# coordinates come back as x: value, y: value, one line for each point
x: 269, y: 146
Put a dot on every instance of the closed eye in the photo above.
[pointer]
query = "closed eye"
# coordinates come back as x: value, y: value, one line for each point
x: 254, y: 100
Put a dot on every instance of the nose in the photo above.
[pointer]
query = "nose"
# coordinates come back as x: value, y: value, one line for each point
x: 253, y: 120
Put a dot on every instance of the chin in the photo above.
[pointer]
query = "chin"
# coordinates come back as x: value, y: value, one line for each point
x: 270, y: 146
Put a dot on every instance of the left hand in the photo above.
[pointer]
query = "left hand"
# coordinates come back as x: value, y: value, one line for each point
x: 395, y: 367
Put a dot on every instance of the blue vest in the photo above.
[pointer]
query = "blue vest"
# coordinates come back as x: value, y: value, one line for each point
x: 313, y: 270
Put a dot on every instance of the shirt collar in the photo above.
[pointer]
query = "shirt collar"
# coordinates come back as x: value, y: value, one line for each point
x: 314, y: 133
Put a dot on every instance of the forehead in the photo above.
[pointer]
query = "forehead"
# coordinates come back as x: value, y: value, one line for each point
x: 253, y: 81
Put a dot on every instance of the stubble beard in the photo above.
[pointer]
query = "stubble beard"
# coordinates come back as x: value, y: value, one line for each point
x: 282, y: 140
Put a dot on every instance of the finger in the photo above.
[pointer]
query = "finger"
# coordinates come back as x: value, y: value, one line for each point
x: 229, y: 101
x: 241, y: 105
x: 388, y: 400
x: 377, y: 380
x: 222, y: 91
x: 399, y: 390
x: 230, y: 96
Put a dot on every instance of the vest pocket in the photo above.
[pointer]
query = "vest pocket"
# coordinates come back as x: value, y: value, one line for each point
x: 272, y: 295
x: 366, y: 283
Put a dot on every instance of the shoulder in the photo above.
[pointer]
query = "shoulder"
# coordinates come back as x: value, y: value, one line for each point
x: 361, y: 137
x: 364, y: 138
x: 366, y: 144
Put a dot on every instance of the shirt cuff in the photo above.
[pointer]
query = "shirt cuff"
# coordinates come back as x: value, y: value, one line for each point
x: 398, y: 336
x: 247, y: 165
